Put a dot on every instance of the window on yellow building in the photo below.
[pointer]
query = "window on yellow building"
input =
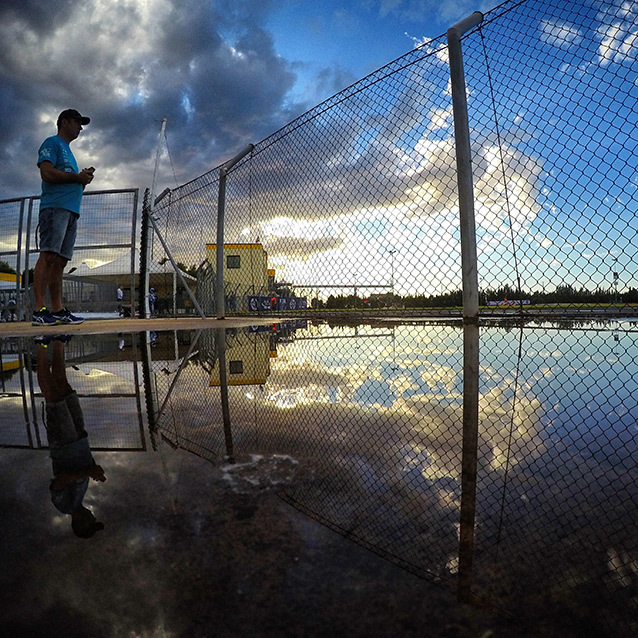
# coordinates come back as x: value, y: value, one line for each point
x: 236, y: 367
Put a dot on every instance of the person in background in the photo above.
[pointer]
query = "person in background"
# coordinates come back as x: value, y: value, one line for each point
x: 71, y: 457
x: 12, y: 309
x: 9, y: 313
x: 62, y: 189
x: 120, y: 299
x: 152, y: 299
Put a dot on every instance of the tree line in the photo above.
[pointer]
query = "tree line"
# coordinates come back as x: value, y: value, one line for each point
x: 562, y: 294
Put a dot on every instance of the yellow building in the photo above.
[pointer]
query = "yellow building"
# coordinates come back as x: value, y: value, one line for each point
x: 245, y: 269
x: 247, y: 359
x: 8, y: 281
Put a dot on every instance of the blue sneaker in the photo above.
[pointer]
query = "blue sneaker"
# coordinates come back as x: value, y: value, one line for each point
x: 43, y: 317
x: 46, y: 340
x: 65, y: 317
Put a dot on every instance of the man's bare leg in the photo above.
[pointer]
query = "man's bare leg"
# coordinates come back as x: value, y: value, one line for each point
x: 47, y: 274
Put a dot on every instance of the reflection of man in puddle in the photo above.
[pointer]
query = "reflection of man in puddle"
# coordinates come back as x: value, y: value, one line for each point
x: 71, y: 456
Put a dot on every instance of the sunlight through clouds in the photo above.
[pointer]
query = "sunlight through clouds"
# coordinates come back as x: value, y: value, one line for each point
x: 559, y: 34
x: 370, y: 172
x: 619, y: 41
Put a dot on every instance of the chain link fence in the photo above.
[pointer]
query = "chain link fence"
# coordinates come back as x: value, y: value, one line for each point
x: 355, y: 202
x: 360, y: 427
x: 354, y: 206
x: 551, y: 96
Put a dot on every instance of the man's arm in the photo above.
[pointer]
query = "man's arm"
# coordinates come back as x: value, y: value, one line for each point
x: 54, y: 175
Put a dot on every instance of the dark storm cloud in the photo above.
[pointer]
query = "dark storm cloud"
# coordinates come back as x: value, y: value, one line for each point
x: 40, y: 16
x: 210, y: 68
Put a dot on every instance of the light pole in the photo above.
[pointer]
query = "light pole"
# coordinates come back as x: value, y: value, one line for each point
x: 392, y: 271
x: 614, y: 278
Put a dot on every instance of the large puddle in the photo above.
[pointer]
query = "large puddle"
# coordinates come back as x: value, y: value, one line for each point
x: 357, y: 427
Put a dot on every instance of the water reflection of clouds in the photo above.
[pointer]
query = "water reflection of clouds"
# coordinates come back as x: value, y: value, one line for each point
x: 420, y: 392
x: 89, y: 378
x: 301, y: 381
x: 374, y: 416
x: 411, y: 378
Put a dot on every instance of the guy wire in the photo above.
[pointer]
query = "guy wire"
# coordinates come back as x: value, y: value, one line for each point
x: 500, y: 150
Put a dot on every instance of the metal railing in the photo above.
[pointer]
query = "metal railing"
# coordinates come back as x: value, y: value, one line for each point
x: 104, y: 254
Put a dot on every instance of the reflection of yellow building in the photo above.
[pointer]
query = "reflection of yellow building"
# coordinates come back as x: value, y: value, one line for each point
x: 9, y: 366
x: 247, y: 359
x: 245, y: 270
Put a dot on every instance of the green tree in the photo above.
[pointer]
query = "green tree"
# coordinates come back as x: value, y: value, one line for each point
x: 4, y: 267
x: 631, y: 296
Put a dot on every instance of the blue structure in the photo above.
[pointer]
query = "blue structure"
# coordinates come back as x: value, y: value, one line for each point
x: 263, y: 303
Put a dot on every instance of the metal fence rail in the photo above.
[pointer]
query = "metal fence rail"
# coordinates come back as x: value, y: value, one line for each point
x: 355, y: 202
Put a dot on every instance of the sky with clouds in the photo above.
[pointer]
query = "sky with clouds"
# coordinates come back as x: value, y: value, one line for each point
x: 223, y: 74
x: 558, y: 171
x: 372, y: 174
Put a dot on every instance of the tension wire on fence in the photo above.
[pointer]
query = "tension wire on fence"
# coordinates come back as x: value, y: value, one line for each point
x: 250, y: 219
x: 170, y: 159
x: 509, y: 446
x: 518, y: 284
x: 502, y: 160
x: 169, y: 208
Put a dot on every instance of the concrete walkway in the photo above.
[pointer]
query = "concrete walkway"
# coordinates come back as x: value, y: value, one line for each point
x: 109, y: 326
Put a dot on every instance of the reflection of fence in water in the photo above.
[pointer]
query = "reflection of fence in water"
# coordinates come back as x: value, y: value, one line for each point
x: 105, y: 378
x: 374, y: 416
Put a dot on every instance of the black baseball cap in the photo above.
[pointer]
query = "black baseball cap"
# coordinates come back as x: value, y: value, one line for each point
x: 72, y: 114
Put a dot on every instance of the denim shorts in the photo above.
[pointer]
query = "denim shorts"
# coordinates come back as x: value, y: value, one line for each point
x: 64, y: 421
x: 58, y: 229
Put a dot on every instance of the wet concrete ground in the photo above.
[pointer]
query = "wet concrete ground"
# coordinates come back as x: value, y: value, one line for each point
x: 189, y: 550
x: 194, y: 547
x: 128, y: 325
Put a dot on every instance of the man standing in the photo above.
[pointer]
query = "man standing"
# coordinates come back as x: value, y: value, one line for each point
x: 62, y: 189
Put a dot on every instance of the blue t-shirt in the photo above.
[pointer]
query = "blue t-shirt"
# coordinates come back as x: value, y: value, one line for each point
x: 69, y: 196
x: 72, y: 457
